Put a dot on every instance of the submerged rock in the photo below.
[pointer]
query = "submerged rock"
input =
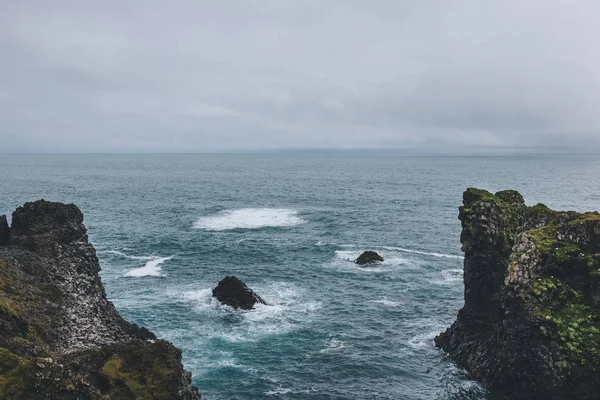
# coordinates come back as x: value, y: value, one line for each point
x: 368, y: 257
x: 234, y: 293
x: 60, y: 338
x: 4, y: 230
x: 530, y: 326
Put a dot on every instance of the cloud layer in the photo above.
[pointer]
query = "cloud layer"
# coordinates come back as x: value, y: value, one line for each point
x: 205, y: 76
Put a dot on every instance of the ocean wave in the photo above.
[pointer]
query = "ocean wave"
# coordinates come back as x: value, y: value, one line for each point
x: 425, y: 253
x: 387, y: 303
x: 405, y: 250
x: 333, y: 345
x: 425, y: 339
x: 152, y: 268
x: 249, y: 218
x: 121, y: 254
x: 450, y: 276
x: 344, y: 259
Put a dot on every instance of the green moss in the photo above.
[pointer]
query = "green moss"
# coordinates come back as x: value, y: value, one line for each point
x: 510, y: 196
x: 146, y: 382
x: 566, y: 252
x: 590, y: 216
x: 544, y: 237
x: 16, y: 376
x: 577, y: 324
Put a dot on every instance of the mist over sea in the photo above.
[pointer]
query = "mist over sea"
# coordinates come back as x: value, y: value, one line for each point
x: 167, y: 228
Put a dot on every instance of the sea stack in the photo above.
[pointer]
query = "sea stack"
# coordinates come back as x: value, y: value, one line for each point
x: 233, y: 292
x: 368, y: 257
x: 530, y: 326
x: 60, y: 338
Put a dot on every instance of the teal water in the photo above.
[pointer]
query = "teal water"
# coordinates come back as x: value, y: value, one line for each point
x: 168, y: 227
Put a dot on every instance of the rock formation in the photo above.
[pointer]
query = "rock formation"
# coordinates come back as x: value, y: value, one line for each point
x: 530, y: 326
x: 4, y: 230
x: 368, y: 257
x: 60, y: 338
x: 234, y: 293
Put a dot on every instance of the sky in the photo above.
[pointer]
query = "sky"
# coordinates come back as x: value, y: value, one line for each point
x: 268, y: 75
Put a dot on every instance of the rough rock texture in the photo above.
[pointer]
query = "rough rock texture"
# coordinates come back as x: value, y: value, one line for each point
x: 4, y: 230
x: 60, y: 338
x: 530, y: 326
x: 233, y: 292
x: 368, y: 257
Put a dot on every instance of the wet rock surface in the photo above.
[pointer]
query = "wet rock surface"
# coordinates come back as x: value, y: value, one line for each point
x: 60, y: 338
x: 530, y: 326
x: 368, y: 257
x: 233, y: 292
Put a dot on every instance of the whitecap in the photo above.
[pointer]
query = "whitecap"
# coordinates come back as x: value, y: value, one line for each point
x: 121, y: 254
x: 423, y: 340
x: 333, y: 345
x: 344, y: 259
x: 249, y: 218
x: 152, y: 268
x: 387, y: 303
x: 425, y: 253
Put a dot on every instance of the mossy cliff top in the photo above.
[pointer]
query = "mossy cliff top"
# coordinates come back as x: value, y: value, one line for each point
x: 60, y: 338
x: 530, y: 327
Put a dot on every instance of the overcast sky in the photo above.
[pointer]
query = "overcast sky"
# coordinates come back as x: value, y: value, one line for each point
x: 211, y: 76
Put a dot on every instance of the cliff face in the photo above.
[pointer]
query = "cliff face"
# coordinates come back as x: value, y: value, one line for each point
x: 60, y: 338
x: 530, y: 326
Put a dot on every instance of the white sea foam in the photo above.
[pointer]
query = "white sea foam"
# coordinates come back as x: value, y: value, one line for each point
x: 277, y: 391
x: 344, y: 259
x: 425, y: 253
x: 452, y: 275
x: 387, y: 303
x: 333, y: 345
x: 287, y: 309
x: 423, y: 340
x: 152, y: 268
x: 249, y: 218
x: 121, y: 254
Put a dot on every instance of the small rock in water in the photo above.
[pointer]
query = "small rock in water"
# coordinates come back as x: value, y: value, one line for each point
x: 368, y: 257
x: 233, y: 292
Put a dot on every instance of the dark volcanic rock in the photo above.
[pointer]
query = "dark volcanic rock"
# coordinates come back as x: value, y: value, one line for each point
x: 233, y: 292
x: 4, y: 230
x: 60, y: 338
x: 368, y: 257
x: 530, y: 326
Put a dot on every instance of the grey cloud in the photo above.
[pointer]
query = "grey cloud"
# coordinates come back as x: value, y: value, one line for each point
x: 267, y: 74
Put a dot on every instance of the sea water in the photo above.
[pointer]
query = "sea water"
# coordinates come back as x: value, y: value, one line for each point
x: 167, y: 228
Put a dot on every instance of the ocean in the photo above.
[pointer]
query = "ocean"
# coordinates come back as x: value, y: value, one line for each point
x: 167, y: 228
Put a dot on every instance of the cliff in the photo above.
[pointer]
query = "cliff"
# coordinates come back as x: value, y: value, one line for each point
x: 530, y: 326
x: 60, y: 338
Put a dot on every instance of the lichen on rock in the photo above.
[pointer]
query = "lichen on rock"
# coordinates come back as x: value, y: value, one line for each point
x: 60, y: 338
x: 530, y: 326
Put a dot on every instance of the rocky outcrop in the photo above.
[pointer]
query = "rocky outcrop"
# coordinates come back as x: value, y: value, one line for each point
x: 530, y: 326
x: 4, y: 230
x: 368, y: 257
x: 233, y: 292
x: 60, y: 338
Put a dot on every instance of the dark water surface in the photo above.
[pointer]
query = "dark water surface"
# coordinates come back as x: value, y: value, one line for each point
x: 168, y: 227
